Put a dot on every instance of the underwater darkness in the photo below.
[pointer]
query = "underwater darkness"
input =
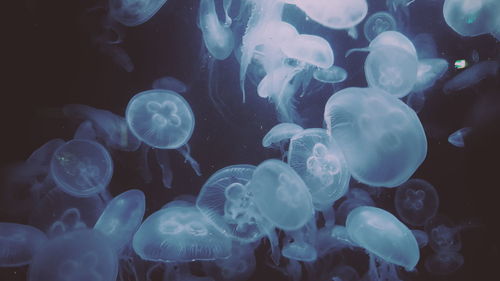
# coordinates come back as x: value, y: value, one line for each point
x: 52, y: 60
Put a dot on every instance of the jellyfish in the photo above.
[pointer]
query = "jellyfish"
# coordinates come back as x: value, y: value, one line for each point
x: 279, y: 135
x: 319, y: 161
x: 444, y: 235
x: 425, y: 45
x: 81, y: 168
x: 444, y: 263
x: 457, y: 137
x: 311, y: 49
x: 421, y: 237
x: 134, y: 12
x: 471, y: 76
x: 179, y: 234
x: 428, y: 72
x: 388, y: 39
x: 163, y: 160
x: 355, y: 197
x: 472, y: 18
x: 19, y: 243
x: 160, y: 118
x: 170, y: 83
x: 122, y: 217
x: 85, y: 131
x: 416, y: 202
x: 383, y: 235
x: 79, y: 255
x: 300, y: 244
x: 69, y: 221
x: 281, y: 195
x: 378, y: 23
x: 334, y: 74
x: 381, y: 138
x: 400, y: 9
x: 218, y: 38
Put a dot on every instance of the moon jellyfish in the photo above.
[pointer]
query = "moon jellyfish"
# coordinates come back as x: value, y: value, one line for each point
x: 134, y: 12
x: 421, y: 237
x: 78, y: 255
x: 225, y: 201
x: 388, y: 39
x: 160, y: 118
x: 457, y: 138
x: 81, y: 168
x: 472, y: 17
x: 428, y: 72
x: 281, y: 195
x: 218, y: 38
x: 444, y: 235
x: 319, y: 161
x: 471, y: 76
x: 378, y: 23
x: 382, y: 138
x: 170, y: 83
x: 382, y: 234
x: 334, y: 74
x: 416, y: 201
x: 279, y: 133
x: 179, y: 234
x: 444, y: 263
x: 311, y: 49
x: 122, y: 217
x: 336, y: 14
x: 18, y: 243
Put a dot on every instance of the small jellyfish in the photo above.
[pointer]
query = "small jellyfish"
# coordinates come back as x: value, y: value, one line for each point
x: 311, y: 49
x: 378, y: 23
x: 160, y: 118
x: 134, y: 12
x: 78, y: 255
x: 122, y: 217
x: 421, y: 236
x: 444, y: 235
x: 170, y: 83
x: 457, y: 137
x: 334, y: 74
x: 428, y: 72
x: 471, y: 76
x: 179, y: 234
x: 18, y: 243
x: 416, y: 202
x: 280, y: 133
x: 335, y: 14
x: 218, y: 38
x: 444, y: 263
x: 382, y: 234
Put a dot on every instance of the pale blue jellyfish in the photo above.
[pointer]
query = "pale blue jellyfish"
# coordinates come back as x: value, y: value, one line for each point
x: 279, y: 133
x: 79, y: 255
x: 355, y: 197
x: 457, y: 137
x: 472, y: 18
x: 281, y: 195
x: 134, y: 12
x: 19, y: 243
x: 160, y: 118
x: 122, y: 217
x: 310, y: 49
x: 428, y: 72
x: 336, y: 14
x: 444, y: 263
x: 378, y: 23
x: 179, y: 234
x: 334, y: 74
x: 319, y: 161
x: 81, y: 168
x: 170, y: 83
x: 218, y: 37
x: 382, y: 138
x: 382, y: 234
x: 416, y: 202
x: 388, y: 39
x: 472, y: 76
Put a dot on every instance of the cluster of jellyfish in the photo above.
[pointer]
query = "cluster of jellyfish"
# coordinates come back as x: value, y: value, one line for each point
x: 310, y: 206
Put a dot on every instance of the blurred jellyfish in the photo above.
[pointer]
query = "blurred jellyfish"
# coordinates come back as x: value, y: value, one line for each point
x: 319, y: 161
x: 179, y: 234
x: 382, y: 139
x: 399, y: 8
x: 457, y: 137
x: 310, y: 49
x: 444, y: 263
x: 388, y: 39
x: 122, y: 217
x: 279, y: 135
x: 444, y: 235
x: 85, y: 131
x: 170, y: 83
x: 378, y: 23
x: 300, y: 244
x: 218, y: 38
x: 344, y: 273
x: 78, y: 255
x: 118, y: 55
x: 134, y: 12
x: 428, y: 72
x: 239, y: 267
x: 472, y: 17
x: 163, y: 160
x: 421, y: 237
x: 81, y: 168
x: 334, y: 74
x: 425, y: 45
x: 336, y: 14
x: 160, y: 118
x: 416, y: 202
x: 471, y: 76
x: 19, y: 243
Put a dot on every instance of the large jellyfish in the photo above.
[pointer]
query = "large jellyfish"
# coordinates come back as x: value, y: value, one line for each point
x: 134, y: 12
x: 78, y: 255
x: 319, y: 161
x: 81, y: 168
x: 416, y: 202
x: 382, y: 138
x: 218, y: 38
x: 19, y: 243
x: 378, y: 23
x: 472, y: 17
x: 472, y: 76
x: 160, y: 118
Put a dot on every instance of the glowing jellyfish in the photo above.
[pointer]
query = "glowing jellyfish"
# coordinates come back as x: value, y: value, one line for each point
x: 378, y: 23
x: 471, y: 76
x: 311, y: 49
x: 472, y: 17
x: 78, y: 255
x: 416, y: 201
x: 336, y: 14
x: 389, y: 39
x: 170, y: 83
x: 457, y: 137
x: 279, y: 133
x: 334, y: 74
x: 19, y: 243
x: 81, y: 168
x: 444, y: 263
x: 319, y: 161
x: 382, y: 234
x: 218, y: 38
x: 134, y: 12
x: 428, y: 72
x: 382, y: 138
x: 421, y: 237
x: 226, y: 202
x: 281, y: 195
x: 179, y: 234
x: 122, y: 217
x: 160, y: 118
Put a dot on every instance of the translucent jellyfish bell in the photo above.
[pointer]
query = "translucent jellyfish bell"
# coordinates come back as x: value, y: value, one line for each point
x: 457, y: 137
x: 472, y: 17
x: 134, y: 12
x: 378, y: 23
x: 444, y: 235
x: 382, y: 234
x: 281, y: 195
x: 311, y: 49
x: 218, y: 38
x: 319, y: 161
x: 81, y: 168
x: 336, y: 14
x: 78, y: 255
x: 179, y: 234
x: 160, y: 118
x: 416, y: 202
x: 334, y: 74
x: 382, y: 138
x: 19, y: 243
x: 428, y: 72
x: 280, y: 132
